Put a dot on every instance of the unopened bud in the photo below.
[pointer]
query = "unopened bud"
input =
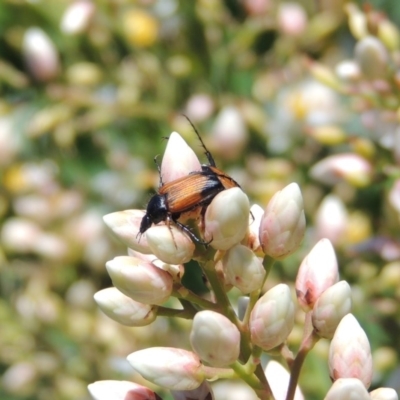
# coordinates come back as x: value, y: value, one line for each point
x: 357, y: 21
x: 384, y: 394
x: 272, y: 318
x: 168, y: 367
x: 227, y: 218
x: 215, y: 339
x: 170, y: 244
x: 243, y: 269
x: 389, y: 34
x: 40, y: 54
x: 347, y: 389
x: 330, y: 308
x: 350, y: 352
x: 318, y: 271
x: 123, y: 309
x: 77, y: 17
x: 372, y: 57
x: 283, y: 224
x: 120, y: 390
x: 143, y: 282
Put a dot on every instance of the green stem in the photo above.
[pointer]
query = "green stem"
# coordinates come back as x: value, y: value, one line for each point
x: 183, y: 293
x: 171, y: 312
x: 268, y: 263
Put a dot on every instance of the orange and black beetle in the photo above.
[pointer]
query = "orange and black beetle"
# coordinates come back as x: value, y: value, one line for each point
x: 186, y: 194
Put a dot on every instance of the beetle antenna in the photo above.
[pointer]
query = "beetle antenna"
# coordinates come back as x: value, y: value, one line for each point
x: 206, y: 152
x: 161, y: 183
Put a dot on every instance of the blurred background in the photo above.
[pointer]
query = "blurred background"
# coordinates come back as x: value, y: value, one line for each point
x: 304, y: 91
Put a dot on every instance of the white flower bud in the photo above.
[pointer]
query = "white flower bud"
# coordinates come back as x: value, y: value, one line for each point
x: 283, y: 224
x: 168, y: 367
x: 143, y: 282
x: 120, y: 390
x: 243, y: 269
x: 170, y: 244
x: 347, y: 389
x: 123, y: 309
x: 350, y: 352
x: 272, y: 317
x: 215, y: 339
x: 40, y: 54
x: 77, y: 17
x: 125, y: 225
x: 226, y: 219
x: 384, y: 394
x: 330, y: 308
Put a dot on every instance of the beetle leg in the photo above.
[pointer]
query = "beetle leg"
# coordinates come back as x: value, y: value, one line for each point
x: 161, y: 183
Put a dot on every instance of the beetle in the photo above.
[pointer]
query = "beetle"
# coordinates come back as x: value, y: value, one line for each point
x: 180, y: 196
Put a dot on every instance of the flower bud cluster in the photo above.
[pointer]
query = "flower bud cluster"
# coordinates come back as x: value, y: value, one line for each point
x: 236, y: 245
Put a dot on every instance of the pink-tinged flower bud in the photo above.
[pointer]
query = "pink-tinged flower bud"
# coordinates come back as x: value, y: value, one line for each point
x: 330, y: 308
x: 278, y: 378
x: 272, y: 317
x: 227, y: 218
x: 143, y: 282
x: 199, y: 107
x: 292, y: 18
x: 347, y: 389
x: 348, y: 70
x: 123, y: 309
x: 125, y: 225
x: 384, y: 394
x: 243, y: 269
x: 283, y: 224
x: 372, y: 57
x: 40, y: 55
x: 77, y: 17
x: 357, y: 21
x: 203, y: 392
x: 170, y: 244
x: 317, y: 272
x: 215, y: 339
x: 179, y: 159
x: 230, y: 132
x: 168, y: 367
x: 253, y: 237
x: 120, y: 390
x: 331, y: 219
x: 349, y: 167
x: 350, y: 353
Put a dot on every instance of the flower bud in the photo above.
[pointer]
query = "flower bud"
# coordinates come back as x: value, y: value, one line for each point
x: 40, y: 55
x: 230, y: 132
x: 77, y: 17
x: 317, y: 272
x: 215, y: 339
x: 143, y: 282
x: 372, y: 57
x: 227, y: 218
x: 350, y: 353
x: 179, y: 159
x: 283, y: 224
x: 168, y: 367
x: 347, y: 389
x: 384, y: 394
x: 253, y: 237
x: 330, y: 308
x: 120, y: 390
x: 123, y: 309
x: 278, y: 378
x: 331, y: 219
x: 357, y: 21
x: 292, y: 18
x: 348, y: 70
x: 199, y: 107
x: 389, y: 34
x: 140, y: 28
x: 349, y: 167
x: 125, y: 225
x: 272, y: 318
x: 243, y: 269
x: 170, y: 244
